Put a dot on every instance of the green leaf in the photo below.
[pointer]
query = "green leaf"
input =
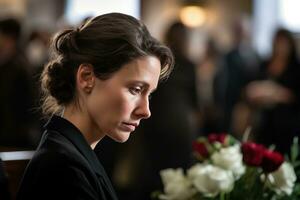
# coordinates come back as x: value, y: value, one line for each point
x: 155, y: 195
x: 296, y: 164
x: 295, y: 150
x: 272, y: 147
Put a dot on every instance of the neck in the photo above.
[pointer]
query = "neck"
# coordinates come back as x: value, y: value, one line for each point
x: 84, y: 123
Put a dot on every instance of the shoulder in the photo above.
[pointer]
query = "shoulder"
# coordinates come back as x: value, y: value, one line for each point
x: 56, y: 157
x: 58, y: 170
x: 57, y: 180
x: 57, y: 151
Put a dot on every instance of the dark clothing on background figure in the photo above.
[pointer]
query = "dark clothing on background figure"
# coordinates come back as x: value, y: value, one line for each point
x: 239, y: 66
x: 169, y: 132
x: 280, y: 123
x: 65, y: 167
x: 16, y: 120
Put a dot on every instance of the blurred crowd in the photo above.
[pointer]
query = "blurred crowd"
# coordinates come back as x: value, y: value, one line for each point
x: 20, y: 63
x: 224, y: 91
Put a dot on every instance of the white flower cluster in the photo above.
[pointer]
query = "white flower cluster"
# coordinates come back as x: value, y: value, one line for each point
x: 176, y: 185
x: 230, y: 158
x: 208, y: 179
x: 219, y: 177
x: 282, y: 180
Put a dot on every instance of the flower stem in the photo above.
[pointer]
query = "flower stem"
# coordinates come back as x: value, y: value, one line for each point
x: 222, y: 196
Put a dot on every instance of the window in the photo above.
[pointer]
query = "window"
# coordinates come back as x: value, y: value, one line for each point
x: 77, y: 10
x: 268, y: 16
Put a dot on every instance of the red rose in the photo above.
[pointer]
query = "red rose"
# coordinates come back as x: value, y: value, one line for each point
x: 252, y: 153
x: 200, y: 149
x: 214, y: 137
x: 271, y: 161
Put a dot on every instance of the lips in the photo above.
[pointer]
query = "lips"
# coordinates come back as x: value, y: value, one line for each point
x: 125, y: 126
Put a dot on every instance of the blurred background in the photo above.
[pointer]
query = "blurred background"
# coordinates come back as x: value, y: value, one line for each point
x: 237, y: 68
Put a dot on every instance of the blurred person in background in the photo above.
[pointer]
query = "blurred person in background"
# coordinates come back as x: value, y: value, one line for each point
x: 239, y: 66
x: 37, y: 52
x: 37, y: 49
x: 16, y: 121
x: 206, y: 73
x: 275, y: 94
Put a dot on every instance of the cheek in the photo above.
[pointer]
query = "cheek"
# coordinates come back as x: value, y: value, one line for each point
x: 124, y: 105
x: 113, y: 107
x: 108, y: 107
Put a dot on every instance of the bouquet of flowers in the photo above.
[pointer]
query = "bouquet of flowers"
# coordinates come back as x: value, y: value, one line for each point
x: 231, y: 170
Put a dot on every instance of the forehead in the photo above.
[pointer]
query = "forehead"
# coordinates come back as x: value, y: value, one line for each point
x: 146, y: 69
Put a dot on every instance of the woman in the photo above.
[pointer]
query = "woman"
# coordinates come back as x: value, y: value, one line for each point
x: 275, y: 94
x: 99, y: 83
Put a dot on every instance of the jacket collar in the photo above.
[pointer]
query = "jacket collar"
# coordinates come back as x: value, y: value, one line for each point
x: 73, y: 134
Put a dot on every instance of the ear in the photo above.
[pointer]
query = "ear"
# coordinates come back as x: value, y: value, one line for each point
x: 85, y: 77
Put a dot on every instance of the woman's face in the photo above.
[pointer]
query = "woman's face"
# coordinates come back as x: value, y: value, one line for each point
x: 117, y: 105
x: 282, y: 46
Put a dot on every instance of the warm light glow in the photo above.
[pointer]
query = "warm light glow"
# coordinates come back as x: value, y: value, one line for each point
x: 192, y: 16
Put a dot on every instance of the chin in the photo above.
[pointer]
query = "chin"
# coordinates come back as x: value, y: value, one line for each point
x: 121, y: 136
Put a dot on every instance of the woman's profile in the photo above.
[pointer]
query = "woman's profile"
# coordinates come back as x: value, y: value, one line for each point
x: 98, y: 84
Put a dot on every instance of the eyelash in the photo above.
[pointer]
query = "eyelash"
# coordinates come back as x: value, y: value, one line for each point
x: 138, y: 90
x: 135, y: 90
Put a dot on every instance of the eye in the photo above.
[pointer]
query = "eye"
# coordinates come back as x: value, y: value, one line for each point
x: 135, y: 90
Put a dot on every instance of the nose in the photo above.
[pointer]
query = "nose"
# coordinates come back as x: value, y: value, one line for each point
x: 143, y: 110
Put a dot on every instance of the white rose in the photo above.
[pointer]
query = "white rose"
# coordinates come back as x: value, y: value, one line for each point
x: 210, y: 180
x: 176, y: 185
x: 230, y: 158
x: 283, y: 179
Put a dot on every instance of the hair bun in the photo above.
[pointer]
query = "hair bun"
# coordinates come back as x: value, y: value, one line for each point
x: 60, y: 81
x: 66, y: 42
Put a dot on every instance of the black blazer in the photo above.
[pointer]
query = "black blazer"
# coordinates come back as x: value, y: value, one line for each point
x: 65, y: 167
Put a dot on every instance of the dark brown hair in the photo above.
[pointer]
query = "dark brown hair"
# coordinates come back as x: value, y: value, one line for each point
x: 176, y: 38
x: 107, y: 42
x: 288, y: 36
